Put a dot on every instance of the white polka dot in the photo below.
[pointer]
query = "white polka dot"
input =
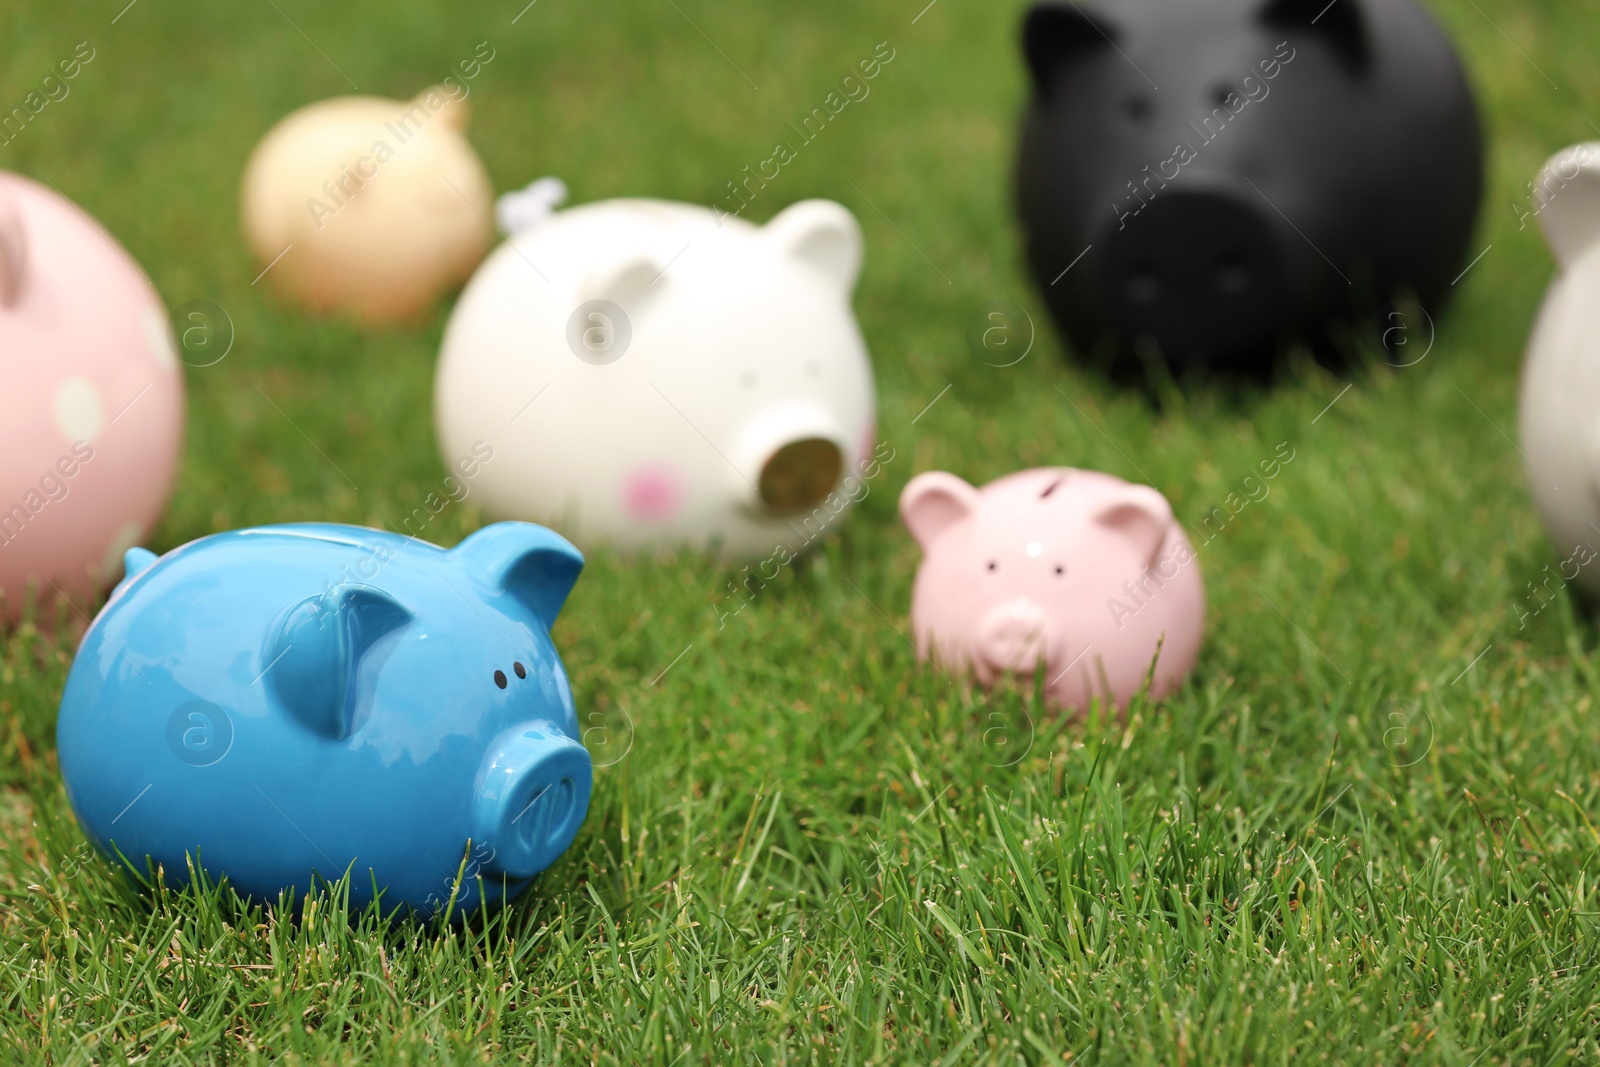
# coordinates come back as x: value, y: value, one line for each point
x: 127, y: 535
x: 158, y: 335
x: 78, y: 411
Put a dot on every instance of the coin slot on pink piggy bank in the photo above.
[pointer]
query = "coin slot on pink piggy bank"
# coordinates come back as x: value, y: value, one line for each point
x: 1076, y: 572
x: 91, y: 406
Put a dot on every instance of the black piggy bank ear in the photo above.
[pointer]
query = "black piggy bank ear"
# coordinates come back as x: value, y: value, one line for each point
x: 536, y: 566
x: 1339, y: 24
x: 312, y: 654
x: 1055, y: 34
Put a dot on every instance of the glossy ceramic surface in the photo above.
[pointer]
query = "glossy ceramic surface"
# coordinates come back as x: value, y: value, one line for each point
x: 302, y: 699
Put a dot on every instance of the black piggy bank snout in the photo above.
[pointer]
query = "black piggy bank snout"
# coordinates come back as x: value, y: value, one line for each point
x: 1202, y: 276
x: 1213, y: 179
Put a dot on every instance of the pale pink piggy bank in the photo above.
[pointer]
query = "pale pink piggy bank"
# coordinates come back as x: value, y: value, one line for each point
x: 1077, y: 572
x: 91, y: 401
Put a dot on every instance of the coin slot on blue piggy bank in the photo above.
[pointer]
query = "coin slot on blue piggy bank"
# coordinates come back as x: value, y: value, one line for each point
x: 287, y: 704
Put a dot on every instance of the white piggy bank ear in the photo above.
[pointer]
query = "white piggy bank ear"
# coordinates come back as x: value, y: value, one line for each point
x: 1140, y: 514
x: 631, y: 283
x: 932, y: 502
x: 13, y: 251
x: 823, y: 234
x: 1569, y: 189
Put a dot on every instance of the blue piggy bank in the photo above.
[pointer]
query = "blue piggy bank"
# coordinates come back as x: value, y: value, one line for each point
x: 291, y: 702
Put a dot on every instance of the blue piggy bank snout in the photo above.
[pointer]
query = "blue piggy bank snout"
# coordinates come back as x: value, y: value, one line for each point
x: 386, y: 704
x: 532, y: 799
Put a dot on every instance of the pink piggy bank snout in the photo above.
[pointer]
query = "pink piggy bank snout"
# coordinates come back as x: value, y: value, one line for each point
x: 1015, y: 635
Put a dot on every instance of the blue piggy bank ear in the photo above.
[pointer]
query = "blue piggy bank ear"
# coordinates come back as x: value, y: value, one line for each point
x: 536, y: 566
x: 312, y: 654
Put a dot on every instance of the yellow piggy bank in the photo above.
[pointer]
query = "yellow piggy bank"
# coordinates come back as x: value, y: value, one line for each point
x: 369, y: 205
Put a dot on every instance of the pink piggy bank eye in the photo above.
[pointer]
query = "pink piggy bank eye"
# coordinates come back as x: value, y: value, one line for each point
x: 993, y: 566
x: 1060, y: 570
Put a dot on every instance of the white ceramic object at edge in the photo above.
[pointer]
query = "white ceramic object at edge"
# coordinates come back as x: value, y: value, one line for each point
x: 1560, y: 405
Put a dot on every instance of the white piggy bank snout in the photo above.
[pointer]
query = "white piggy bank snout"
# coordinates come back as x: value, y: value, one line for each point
x: 789, y: 458
x: 651, y: 374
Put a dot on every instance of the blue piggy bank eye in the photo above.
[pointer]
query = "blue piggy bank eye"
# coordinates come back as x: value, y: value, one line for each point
x: 500, y: 679
x: 522, y: 672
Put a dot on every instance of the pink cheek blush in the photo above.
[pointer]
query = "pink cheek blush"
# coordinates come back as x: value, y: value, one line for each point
x: 652, y: 493
x: 869, y: 440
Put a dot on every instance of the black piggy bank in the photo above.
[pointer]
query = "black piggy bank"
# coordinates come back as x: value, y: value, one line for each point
x: 1214, y: 179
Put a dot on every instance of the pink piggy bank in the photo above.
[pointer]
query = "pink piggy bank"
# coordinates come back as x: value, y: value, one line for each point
x: 1079, y: 572
x: 91, y: 406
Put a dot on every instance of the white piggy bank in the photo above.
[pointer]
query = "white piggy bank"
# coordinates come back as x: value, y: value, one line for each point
x: 651, y: 373
x: 368, y: 205
x: 1560, y: 408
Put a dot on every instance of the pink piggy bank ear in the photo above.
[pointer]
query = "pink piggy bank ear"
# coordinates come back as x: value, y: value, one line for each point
x: 13, y: 251
x: 1139, y: 514
x: 931, y: 503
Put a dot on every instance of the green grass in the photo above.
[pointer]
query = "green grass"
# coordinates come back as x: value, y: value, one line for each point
x: 1366, y: 835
